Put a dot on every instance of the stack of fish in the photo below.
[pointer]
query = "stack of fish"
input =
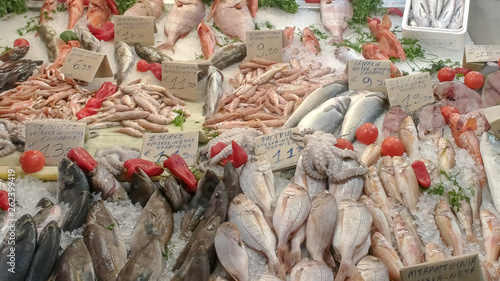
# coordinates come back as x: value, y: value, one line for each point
x: 437, y: 13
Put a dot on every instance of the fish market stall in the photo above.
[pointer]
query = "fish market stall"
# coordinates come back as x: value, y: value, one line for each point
x: 359, y: 188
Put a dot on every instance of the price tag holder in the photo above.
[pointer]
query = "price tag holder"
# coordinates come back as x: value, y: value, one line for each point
x: 461, y: 268
x: 134, y: 29
x: 181, y: 78
x: 281, y: 150
x: 84, y: 65
x: 492, y: 114
x: 183, y: 143
x: 266, y: 44
x: 482, y: 53
x: 368, y: 74
x: 54, y: 139
x: 412, y: 92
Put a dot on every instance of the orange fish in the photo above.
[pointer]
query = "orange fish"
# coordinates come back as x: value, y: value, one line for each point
x: 98, y: 13
x: 64, y: 50
x: 373, y: 51
x: 382, y: 31
x: 46, y: 11
x: 207, y: 39
x: 75, y: 10
x: 310, y: 41
x: 253, y: 5
x: 289, y: 34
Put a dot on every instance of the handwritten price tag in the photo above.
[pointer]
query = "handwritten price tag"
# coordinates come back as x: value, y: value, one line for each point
x: 181, y: 79
x: 266, y: 44
x: 84, y: 65
x: 54, y: 139
x: 134, y: 29
x: 185, y: 144
x: 461, y: 268
x: 492, y: 114
x: 412, y: 92
x: 482, y: 53
x: 368, y: 74
x: 280, y: 148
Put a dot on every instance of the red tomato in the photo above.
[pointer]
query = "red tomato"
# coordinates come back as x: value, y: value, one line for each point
x: 4, y: 200
x: 142, y: 66
x: 21, y: 42
x: 392, y: 146
x: 474, y: 80
x: 32, y: 161
x: 446, y: 74
x: 344, y: 144
x: 446, y: 111
x: 367, y: 133
x: 462, y: 70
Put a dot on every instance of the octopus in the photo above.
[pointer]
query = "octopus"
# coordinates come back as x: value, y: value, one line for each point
x: 243, y: 136
x: 321, y: 159
x: 113, y: 157
x: 8, y: 137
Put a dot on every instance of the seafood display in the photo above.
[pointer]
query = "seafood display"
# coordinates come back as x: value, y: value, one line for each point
x: 437, y: 14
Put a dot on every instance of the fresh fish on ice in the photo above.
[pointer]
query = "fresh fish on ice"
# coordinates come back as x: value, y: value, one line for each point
x: 150, y: 53
x: 448, y: 228
x: 421, y: 12
x: 407, y: 182
x: 371, y: 154
x: 49, y: 38
x: 75, y: 261
x: 335, y: 16
x: 148, y: 261
x: 232, y: 17
x: 446, y: 155
x: 373, y: 269
x: 465, y: 218
x: 380, y: 223
x: 231, y: 251
x: 87, y: 39
x: 77, y: 213
x: 344, y: 54
x: 383, y: 249
x: 70, y: 181
x: 327, y: 117
x: 46, y: 254
x: 433, y: 252
x: 490, y: 226
x: 392, y: 121
x: 311, y: 270
x: 387, y: 175
x: 409, y: 137
x: 350, y: 188
x: 490, y: 147
x: 124, y: 61
x: 214, y: 92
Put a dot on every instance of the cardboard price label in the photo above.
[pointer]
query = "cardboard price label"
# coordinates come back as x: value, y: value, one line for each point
x: 84, y: 65
x: 181, y: 79
x: 492, y: 114
x: 461, y: 268
x: 54, y: 139
x: 185, y: 144
x: 482, y: 53
x: 134, y: 29
x: 412, y: 92
x: 281, y: 150
x: 368, y: 74
x: 266, y: 44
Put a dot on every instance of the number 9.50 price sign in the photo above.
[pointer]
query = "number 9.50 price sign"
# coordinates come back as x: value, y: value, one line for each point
x: 412, y: 92
x: 265, y: 44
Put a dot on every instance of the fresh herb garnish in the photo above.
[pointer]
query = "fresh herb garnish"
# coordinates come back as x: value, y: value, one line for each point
x: 12, y: 6
x: 31, y: 26
x: 289, y: 6
x: 167, y: 253
x: 436, y: 66
x: 180, y: 118
x: 198, y: 57
x: 123, y: 5
x: 5, y: 49
x: 269, y: 25
x: 455, y: 195
x: 111, y: 226
x: 318, y: 33
x: 357, y: 38
x: 365, y: 8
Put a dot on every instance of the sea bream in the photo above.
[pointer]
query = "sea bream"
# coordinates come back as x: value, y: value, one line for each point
x: 232, y: 17
x: 231, y: 251
x: 311, y: 270
x: 373, y: 269
x: 335, y: 15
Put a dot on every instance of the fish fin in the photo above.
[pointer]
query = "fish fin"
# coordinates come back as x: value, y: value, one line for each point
x: 470, y: 125
x: 212, y: 9
x: 166, y: 46
x: 347, y: 269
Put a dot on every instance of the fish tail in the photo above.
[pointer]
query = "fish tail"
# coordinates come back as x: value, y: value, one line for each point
x: 284, y: 255
x: 347, y: 269
x: 167, y: 46
x: 275, y: 266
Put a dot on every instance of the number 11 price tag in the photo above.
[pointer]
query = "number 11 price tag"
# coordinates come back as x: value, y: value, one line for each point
x: 180, y: 78
x: 281, y: 150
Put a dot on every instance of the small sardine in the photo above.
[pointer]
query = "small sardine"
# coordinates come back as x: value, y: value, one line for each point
x: 124, y: 60
x: 49, y: 38
x: 150, y: 53
x: 421, y: 13
x: 231, y: 251
x: 214, y: 92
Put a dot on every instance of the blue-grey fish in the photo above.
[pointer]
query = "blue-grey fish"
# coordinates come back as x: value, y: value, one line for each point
x: 328, y: 116
x: 124, y: 60
x: 213, y: 92
x: 147, y: 264
x: 46, y: 254
x: 71, y: 181
x: 49, y: 38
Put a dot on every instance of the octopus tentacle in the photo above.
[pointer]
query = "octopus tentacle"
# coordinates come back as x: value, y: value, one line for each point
x: 113, y: 157
x: 6, y: 147
x: 346, y: 173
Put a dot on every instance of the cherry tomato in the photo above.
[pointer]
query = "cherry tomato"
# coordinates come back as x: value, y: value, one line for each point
x: 474, y: 80
x: 344, y: 144
x: 446, y: 74
x: 142, y: 66
x: 446, y: 111
x: 32, y: 161
x: 4, y: 200
x: 367, y: 133
x: 21, y: 42
x: 392, y: 146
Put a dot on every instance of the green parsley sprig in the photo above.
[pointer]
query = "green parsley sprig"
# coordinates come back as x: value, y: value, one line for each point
x: 180, y: 118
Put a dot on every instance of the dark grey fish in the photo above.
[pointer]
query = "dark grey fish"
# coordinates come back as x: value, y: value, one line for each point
x: 150, y: 53
x: 44, y: 202
x: 12, y: 72
x: 104, y: 182
x: 23, y: 245
x: 49, y: 38
x: 71, y: 181
x: 46, y: 254
x: 231, y: 181
x: 175, y: 194
x: 75, y: 264
x: 214, y: 92
x: 88, y: 40
x: 77, y: 214
x: 196, y: 269
x: 218, y: 203
x: 141, y: 188
x: 155, y: 222
x: 15, y: 53
x: 124, y: 61
x: 147, y: 264
x: 48, y: 213
x: 224, y: 57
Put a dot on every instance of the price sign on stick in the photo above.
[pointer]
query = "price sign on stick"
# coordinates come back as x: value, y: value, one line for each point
x: 482, y: 53
x: 412, y: 92
x: 134, y: 29
x: 185, y: 144
x: 265, y: 44
x: 181, y: 79
x: 368, y: 74
x: 84, y: 65
x: 54, y: 139
x: 281, y: 150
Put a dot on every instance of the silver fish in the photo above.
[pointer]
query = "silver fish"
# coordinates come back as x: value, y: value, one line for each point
x: 327, y: 117
x: 49, y: 38
x: 150, y: 53
x: 313, y: 100
x: 448, y: 228
x: 366, y: 109
x: 409, y: 137
x: 148, y: 261
x: 490, y: 146
x: 88, y: 40
x: 444, y: 18
x: 213, y: 92
x: 457, y: 19
x: 75, y: 263
x: 124, y: 60
x: 344, y: 54
x: 421, y: 13
x: 383, y: 249
x: 231, y: 251
x: 373, y: 269
x: 46, y: 253
x: 407, y: 182
x: 433, y: 252
x: 490, y: 226
x: 292, y: 209
x: 311, y: 270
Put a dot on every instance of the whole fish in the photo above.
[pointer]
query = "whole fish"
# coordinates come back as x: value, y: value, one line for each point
x: 313, y: 186
x: 150, y: 53
x: 257, y: 183
x: 421, y: 12
x: 155, y: 222
x: 490, y: 146
x: 71, y: 181
x: 98, y: 13
x: 141, y: 187
x: 48, y: 7
x: 218, y: 203
x: 46, y: 253
x: 225, y: 57
x: 231, y: 251
x: 146, y: 8
x: 320, y: 227
x: 124, y: 60
x: 232, y: 17
x: 88, y: 40
x: 207, y: 39
x: 443, y: 19
x: 373, y: 269
x: 350, y: 188
x: 448, y: 228
x: 465, y: 218
x: 75, y: 263
x: 344, y: 54
x: 77, y: 213
x: 446, y: 155
x: 313, y: 100
x: 371, y: 154
x: 407, y: 182
x: 104, y: 182
x: 184, y: 17
x: 457, y: 19
x: 366, y: 109
x: 374, y: 189
x: 147, y: 263
x: 352, y: 230
x: 335, y: 16
x: 49, y: 39
x: 387, y: 175
x: 311, y: 270
x: 380, y: 223
x: 214, y: 92
x: 174, y: 193
x: 231, y: 181
x: 49, y: 212
x: 409, y: 137
x: 327, y: 117
x: 75, y: 11
x: 310, y: 41
x: 490, y: 226
x: 196, y: 268
x: 15, y: 53
x: 255, y: 232
x: 382, y: 249
x: 433, y: 252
